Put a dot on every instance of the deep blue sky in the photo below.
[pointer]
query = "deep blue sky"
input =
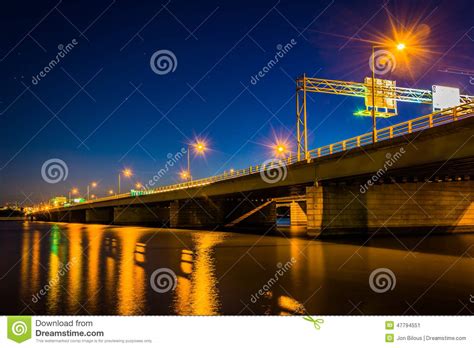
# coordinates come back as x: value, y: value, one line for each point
x: 219, y: 45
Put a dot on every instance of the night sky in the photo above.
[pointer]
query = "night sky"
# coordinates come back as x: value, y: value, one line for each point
x: 102, y: 107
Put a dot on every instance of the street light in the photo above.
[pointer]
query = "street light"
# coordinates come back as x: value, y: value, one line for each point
x: 93, y: 185
x: 127, y: 173
x: 199, y: 147
x: 111, y: 192
x: 138, y: 185
x: 400, y: 46
x: 73, y: 191
x: 281, y: 149
x: 184, y: 174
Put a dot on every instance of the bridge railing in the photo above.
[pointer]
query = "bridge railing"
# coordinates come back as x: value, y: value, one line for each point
x: 414, y: 125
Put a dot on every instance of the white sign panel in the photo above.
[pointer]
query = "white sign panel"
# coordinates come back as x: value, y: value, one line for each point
x: 445, y: 97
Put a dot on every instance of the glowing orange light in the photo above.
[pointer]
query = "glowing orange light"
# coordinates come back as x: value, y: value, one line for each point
x: 138, y: 185
x: 127, y: 172
x: 200, y: 146
x: 74, y: 191
x: 401, y: 46
x: 184, y: 174
x: 280, y: 149
x: 94, y: 184
x: 410, y: 43
x: 111, y: 192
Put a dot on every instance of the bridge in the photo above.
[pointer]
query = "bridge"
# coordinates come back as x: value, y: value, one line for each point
x: 416, y: 176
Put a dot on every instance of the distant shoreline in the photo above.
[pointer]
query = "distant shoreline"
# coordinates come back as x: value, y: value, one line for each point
x: 12, y: 218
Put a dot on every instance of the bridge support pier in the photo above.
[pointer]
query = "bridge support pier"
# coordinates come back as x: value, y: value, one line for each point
x: 298, y: 213
x: 429, y: 207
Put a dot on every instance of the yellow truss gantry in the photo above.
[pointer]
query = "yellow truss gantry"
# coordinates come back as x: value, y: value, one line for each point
x: 353, y: 89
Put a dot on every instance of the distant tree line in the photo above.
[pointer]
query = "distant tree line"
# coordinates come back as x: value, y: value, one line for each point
x: 8, y: 212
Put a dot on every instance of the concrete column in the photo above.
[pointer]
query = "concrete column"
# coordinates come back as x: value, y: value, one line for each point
x: 298, y: 213
x: 314, y: 210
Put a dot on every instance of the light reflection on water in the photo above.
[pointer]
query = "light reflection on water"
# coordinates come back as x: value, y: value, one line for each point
x: 95, y: 269
x: 196, y: 292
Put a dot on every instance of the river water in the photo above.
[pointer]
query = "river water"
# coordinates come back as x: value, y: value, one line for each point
x: 56, y: 268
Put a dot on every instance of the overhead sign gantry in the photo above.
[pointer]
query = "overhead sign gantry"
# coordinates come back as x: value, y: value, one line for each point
x: 386, y: 92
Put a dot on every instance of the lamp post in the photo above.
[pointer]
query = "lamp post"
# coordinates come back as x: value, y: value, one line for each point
x: 199, y: 147
x: 73, y: 191
x: 374, y: 125
x: 93, y: 185
x: 400, y: 46
x: 127, y: 173
x: 188, y: 174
